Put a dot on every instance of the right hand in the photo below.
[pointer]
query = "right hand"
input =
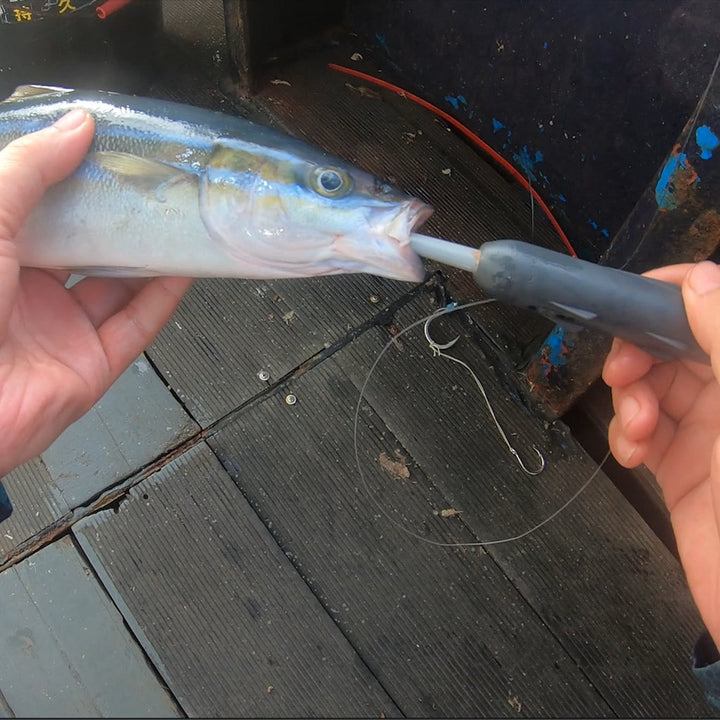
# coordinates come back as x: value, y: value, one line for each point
x: 668, y: 417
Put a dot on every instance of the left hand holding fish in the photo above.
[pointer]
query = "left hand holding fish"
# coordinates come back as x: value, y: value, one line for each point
x: 61, y: 348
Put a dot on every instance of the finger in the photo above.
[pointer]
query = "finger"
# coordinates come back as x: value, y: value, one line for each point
x: 27, y: 167
x: 672, y: 386
x: 637, y: 409
x: 696, y: 524
x: 701, y: 293
x: 625, y: 364
x: 128, y: 332
x: 674, y: 274
x: 101, y: 298
x: 651, y: 451
x: 629, y: 453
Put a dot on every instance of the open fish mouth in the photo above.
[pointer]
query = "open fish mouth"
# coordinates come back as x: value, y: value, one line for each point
x: 389, y: 253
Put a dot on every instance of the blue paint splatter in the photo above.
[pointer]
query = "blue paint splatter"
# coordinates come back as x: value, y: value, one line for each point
x: 456, y: 101
x: 593, y: 224
x: 524, y: 161
x: 562, y: 198
x: 707, y: 141
x: 665, y: 194
x: 497, y: 125
x: 553, y: 354
x: 545, y: 46
x: 383, y: 43
x: 558, y: 346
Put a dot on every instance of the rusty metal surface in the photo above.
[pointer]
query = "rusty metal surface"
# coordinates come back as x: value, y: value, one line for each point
x: 676, y: 220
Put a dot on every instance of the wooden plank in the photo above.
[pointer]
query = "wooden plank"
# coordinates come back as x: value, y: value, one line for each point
x: 134, y: 422
x: 597, y: 575
x: 37, y: 503
x: 444, y: 630
x: 608, y: 592
x: 226, y: 331
x: 65, y: 650
x: 231, y: 626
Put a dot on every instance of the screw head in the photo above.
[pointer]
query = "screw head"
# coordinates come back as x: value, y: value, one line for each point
x: 264, y: 375
x: 290, y: 399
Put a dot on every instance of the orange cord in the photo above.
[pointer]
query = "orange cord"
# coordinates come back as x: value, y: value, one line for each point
x: 469, y: 134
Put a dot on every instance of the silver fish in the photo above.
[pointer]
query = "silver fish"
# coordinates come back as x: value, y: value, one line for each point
x: 170, y: 189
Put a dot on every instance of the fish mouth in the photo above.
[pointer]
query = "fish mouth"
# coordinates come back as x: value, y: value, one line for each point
x: 388, y: 252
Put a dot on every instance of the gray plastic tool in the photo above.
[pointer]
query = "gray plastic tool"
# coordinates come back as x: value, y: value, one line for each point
x: 575, y: 293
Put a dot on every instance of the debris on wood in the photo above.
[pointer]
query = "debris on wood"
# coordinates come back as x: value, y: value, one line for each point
x: 288, y: 317
x: 356, y: 56
x: 397, y: 468
x: 364, y: 91
x: 280, y: 82
x: 446, y: 171
x: 447, y: 512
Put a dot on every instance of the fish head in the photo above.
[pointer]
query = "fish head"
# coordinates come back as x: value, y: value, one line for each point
x: 284, y: 214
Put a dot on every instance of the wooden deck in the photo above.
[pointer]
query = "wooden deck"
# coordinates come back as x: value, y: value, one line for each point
x: 198, y: 545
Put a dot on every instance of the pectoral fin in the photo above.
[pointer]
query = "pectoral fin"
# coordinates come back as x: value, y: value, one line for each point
x: 146, y: 174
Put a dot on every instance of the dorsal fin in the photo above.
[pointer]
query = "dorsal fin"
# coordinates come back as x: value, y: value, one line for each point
x: 25, y: 91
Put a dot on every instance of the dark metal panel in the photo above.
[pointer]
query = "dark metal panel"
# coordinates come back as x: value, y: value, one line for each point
x: 65, y: 650
x: 585, y: 97
x: 231, y: 626
x: 676, y: 220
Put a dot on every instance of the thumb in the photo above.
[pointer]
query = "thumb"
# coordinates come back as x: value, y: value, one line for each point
x: 28, y: 166
x: 701, y: 295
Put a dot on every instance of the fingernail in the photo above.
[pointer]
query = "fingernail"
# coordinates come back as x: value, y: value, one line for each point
x: 629, y: 407
x: 628, y: 456
x: 704, y: 277
x: 74, y: 119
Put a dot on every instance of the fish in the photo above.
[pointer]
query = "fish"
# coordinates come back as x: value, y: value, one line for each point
x: 173, y: 189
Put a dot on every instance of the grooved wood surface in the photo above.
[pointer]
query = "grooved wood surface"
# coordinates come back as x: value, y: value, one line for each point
x: 232, y: 628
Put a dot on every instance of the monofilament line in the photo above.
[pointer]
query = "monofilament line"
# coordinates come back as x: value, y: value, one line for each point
x: 381, y: 509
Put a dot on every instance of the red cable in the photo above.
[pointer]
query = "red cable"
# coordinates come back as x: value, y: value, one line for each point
x: 111, y: 6
x: 469, y: 134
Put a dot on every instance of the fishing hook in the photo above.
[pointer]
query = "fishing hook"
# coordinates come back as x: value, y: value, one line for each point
x: 437, y: 348
x: 437, y: 351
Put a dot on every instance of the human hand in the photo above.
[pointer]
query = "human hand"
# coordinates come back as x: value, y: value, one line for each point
x: 668, y: 417
x: 61, y: 349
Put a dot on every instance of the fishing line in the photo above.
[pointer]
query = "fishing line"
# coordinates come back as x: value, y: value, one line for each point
x: 438, y: 351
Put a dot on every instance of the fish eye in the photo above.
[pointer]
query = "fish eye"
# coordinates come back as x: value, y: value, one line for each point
x: 331, y: 182
x: 382, y: 188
